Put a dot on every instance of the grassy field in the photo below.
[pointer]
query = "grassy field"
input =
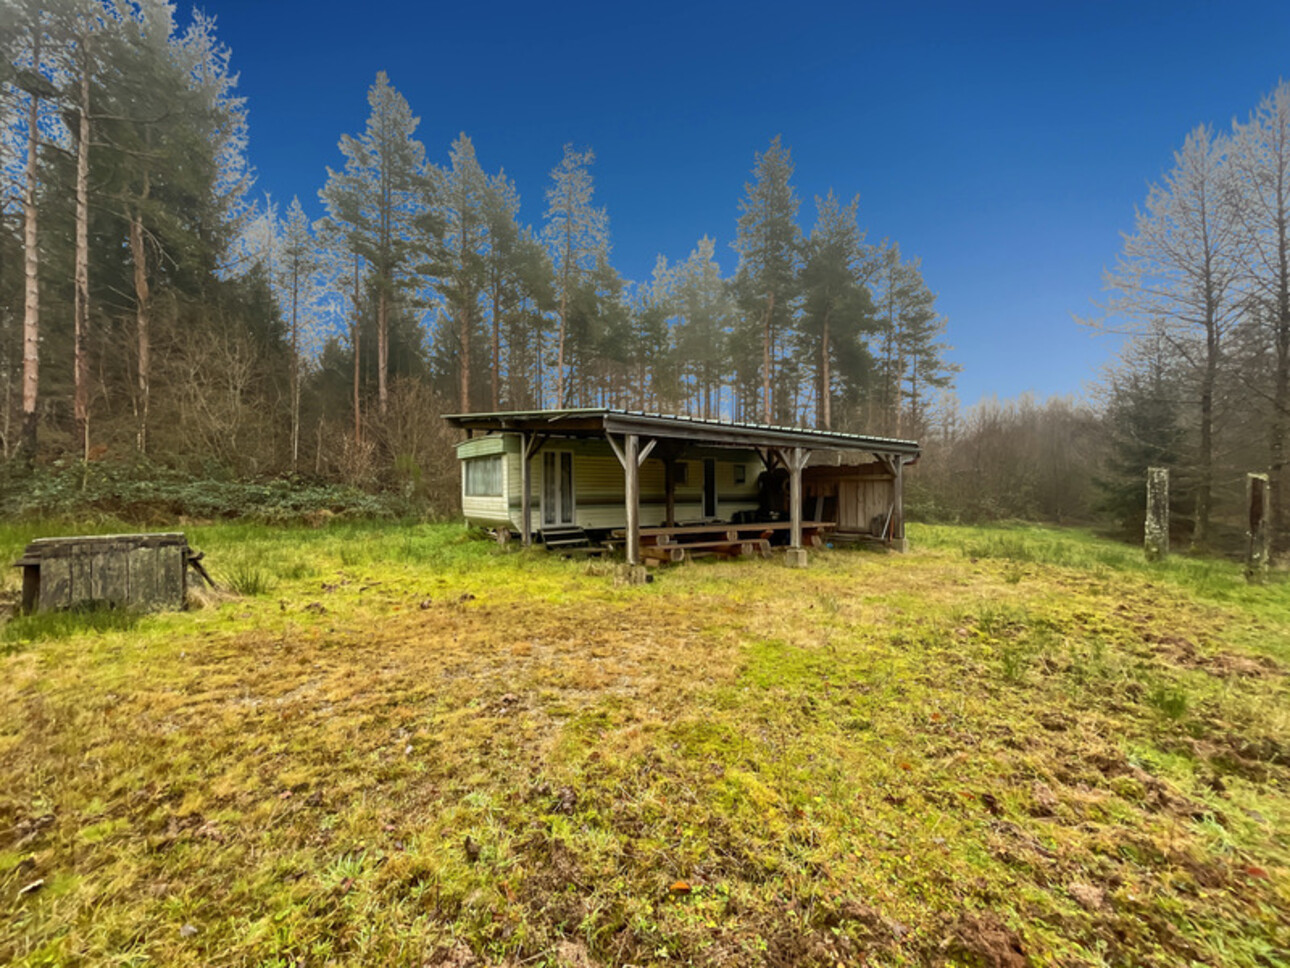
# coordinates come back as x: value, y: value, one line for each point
x: 401, y: 746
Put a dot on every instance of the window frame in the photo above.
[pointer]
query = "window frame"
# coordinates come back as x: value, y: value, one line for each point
x: 471, y: 486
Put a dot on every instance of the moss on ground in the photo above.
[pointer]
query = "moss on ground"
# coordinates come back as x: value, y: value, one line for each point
x: 403, y: 746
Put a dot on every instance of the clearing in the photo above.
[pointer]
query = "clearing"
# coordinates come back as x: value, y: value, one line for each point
x: 401, y: 746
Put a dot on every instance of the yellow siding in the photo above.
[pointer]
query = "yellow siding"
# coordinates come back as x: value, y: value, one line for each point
x: 598, y: 486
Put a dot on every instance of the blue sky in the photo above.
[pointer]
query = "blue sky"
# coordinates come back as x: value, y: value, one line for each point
x: 1005, y: 144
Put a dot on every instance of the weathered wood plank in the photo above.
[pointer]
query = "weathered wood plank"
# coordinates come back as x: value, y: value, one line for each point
x: 82, y: 585
x: 172, y: 569
x: 663, y: 552
x: 110, y: 581
x: 55, y: 584
x: 143, y: 566
x: 76, y: 544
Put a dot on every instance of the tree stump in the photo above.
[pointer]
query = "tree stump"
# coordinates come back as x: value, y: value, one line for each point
x: 1155, y: 532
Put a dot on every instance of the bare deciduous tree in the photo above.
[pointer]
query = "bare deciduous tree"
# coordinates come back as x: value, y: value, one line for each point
x: 1177, y: 276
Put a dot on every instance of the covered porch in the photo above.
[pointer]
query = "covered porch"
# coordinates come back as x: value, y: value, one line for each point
x: 634, y: 437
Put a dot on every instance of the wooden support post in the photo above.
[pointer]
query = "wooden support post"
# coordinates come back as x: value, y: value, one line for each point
x: 898, y: 504
x: 669, y: 478
x: 631, y: 455
x: 1155, y: 533
x: 795, y: 496
x: 631, y: 469
x: 526, y: 492
x: 1258, y: 498
x: 796, y: 460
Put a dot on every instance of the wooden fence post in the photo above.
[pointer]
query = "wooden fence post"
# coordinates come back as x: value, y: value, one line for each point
x: 1155, y: 534
x: 1258, y: 499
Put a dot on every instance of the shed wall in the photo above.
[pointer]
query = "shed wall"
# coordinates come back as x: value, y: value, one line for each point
x: 857, y: 495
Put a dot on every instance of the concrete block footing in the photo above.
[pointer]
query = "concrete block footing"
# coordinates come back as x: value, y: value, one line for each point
x: 632, y: 575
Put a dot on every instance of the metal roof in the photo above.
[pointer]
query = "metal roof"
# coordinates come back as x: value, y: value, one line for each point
x: 594, y: 421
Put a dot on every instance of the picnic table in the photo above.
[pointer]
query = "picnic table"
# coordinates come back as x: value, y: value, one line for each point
x: 676, y: 542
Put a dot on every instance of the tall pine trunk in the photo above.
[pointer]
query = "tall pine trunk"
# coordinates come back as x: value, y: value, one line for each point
x: 354, y: 334
x: 564, y: 310
x: 766, y: 360
x: 463, y: 334
x: 826, y: 379
x: 1281, y: 389
x: 81, y: 324
x: 31, y: 263
x: 382, y: 348
x: 295, y: 363
x: 143, y: 335
x: 497, y: 345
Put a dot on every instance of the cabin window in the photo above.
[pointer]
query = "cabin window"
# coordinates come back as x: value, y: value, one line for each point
x: 741, y: 473
x: 484, y: 476
x: 681, y: 473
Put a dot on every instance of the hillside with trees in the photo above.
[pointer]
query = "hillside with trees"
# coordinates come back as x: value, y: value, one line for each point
x: 159, y: 316
x: 155, y: 307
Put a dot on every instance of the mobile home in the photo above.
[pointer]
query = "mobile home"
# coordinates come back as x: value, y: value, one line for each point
x: 603, y: 469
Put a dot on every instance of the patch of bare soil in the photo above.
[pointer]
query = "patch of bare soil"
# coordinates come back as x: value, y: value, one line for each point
x: 982, y: 939
x: 1182, y: 652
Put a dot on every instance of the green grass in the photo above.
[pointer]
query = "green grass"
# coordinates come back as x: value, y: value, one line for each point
x: 400, y: 745
x: 64, y: 624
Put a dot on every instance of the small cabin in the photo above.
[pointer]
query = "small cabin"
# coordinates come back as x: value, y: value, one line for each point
x: 605, y: 471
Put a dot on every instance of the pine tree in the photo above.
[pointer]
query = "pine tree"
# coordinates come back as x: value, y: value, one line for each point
x: 577, y: 235
x: 706, y: 316
x: 837, y: 309
x: 502, y: 269
x: 769, y: 245
x: 918, y: 331
x: 380, y: 201
x: 299, y: 266
x: 32, y: 22
x: 652, y: 306
x: 459, y: 263
x: 88, y: 23
x: 1143, y: 400
x: 177, y: 168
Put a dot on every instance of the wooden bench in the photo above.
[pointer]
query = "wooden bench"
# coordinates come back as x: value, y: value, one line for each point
x: 743, y: 547
x: 812, y: 532
x: 733, y: 549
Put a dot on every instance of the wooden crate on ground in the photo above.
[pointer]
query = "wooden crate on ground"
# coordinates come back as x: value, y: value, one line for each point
x: 147, y: 572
